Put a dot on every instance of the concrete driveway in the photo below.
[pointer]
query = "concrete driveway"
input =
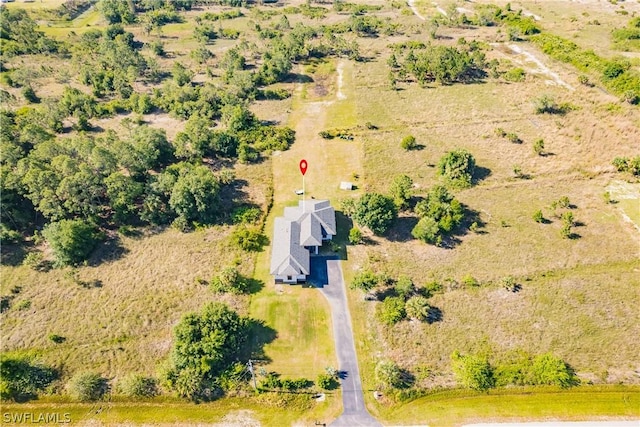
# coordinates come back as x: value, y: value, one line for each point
x: 355, y: 413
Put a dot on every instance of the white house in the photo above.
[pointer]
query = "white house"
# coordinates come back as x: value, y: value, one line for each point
x: 300, y: 232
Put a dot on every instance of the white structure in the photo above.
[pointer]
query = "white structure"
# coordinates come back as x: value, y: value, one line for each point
x: 302, y: 230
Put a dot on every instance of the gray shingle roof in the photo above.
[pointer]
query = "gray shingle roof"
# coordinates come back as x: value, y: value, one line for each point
x: 313, y: 215
x: 288, y: 258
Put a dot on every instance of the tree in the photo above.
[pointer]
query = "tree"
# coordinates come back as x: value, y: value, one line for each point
x: 123, y: 193
x: 401, y: 190
x: 375, y: 211
x: 388, y: 373
x: 392, y: 310
x: 440, y: 214
x: 72, y: 240
x: 116, y: 11
x: 417, y: 307
x: 195, y: 194
x: 181, y: 75
x: 327, y: 381
x: 408, y: 143
x: 457, y: 167
x: 473, y: 371
x: 88, y: 386
x: 21, y: 378
x: 205, y: 344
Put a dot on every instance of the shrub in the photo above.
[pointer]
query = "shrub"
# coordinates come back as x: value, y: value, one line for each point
x: 473, y: 371
x: 538, y: 147
x: 138, y: 386
x: 88, y: 386
x: 229, y: 280
x: 550, y: 370
x: 246, y: 215
x: 431, y: 288
x: 538, y: 217
x: 515, y: 75
x: 408, y: 143
x: 249, y: 239
x: 365, y: 280
x: 327, y: 381
x: 457, y: 167
x: 470, y: 281
x: 417, y: 307
x: 355, y: 236
x: 509, y: 283
x: 391, y: 310
x: 404, y: 286
x: 58, y: 339
x: 21, y: 378
x: 388, y: 373
x: 30, y: 95
x: 401, y: 190
x: 512, y: 137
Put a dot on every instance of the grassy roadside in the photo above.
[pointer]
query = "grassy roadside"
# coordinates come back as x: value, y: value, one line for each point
x: 162, y: 412
x: 448, y: 408
x: 456, y: 408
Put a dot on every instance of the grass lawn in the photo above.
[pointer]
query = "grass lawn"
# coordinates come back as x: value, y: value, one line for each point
x: 586, y: 403
x: 240, y: 411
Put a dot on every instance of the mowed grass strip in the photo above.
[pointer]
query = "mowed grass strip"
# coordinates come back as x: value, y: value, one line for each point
x: 585, y: 403
x: 168, y: 412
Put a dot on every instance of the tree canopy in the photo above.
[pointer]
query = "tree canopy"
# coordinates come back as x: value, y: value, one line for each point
x: 376, y: 211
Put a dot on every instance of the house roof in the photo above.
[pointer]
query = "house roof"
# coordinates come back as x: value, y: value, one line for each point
x: 288, y: 257
x: 313, y: 216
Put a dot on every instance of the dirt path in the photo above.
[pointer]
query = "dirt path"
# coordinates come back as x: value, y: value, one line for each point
x: 412, y: 5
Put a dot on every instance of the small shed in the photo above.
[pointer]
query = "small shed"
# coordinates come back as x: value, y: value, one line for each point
x: 345, y: 185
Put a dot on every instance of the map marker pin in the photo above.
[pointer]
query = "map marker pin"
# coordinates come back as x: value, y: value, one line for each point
x: 303, y: 166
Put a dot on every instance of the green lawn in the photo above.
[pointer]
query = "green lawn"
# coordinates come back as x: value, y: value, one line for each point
x: 585, y: 403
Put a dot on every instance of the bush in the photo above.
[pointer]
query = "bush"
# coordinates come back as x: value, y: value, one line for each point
x: 327, y: 381
x: 401, y: 190
x: 538, y: 147
x: 515, y: 75
x: 408, y: 143
x: 404, y: 286
x: 249, y: 239
x: 21, y: 378
x: 138, y: 386
x: 365, y: 281
x: 246, y: 215
x: 355, y: 236
x: 388, y: 373
x: 30, y: 95
x: 72, y: 241
x: 58, y: 339
x: 417, y: 307
x: 457, y: 167
x: 229, y: 280
x: 88, y: 386
x: 550, y: 370
x: 538, y: 217
x: 509, y: 283
x: 392, y: 310
x: 473, y: 371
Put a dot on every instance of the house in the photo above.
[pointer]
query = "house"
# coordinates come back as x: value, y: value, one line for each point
x: 298, y: 234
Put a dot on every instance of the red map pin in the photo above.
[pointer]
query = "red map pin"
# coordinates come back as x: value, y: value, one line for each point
x: 303, y: 166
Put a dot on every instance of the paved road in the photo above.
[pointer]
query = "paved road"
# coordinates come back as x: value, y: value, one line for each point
x: 355, y: 413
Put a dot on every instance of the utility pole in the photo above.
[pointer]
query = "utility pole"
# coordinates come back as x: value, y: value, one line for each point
x: 253, y: 375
